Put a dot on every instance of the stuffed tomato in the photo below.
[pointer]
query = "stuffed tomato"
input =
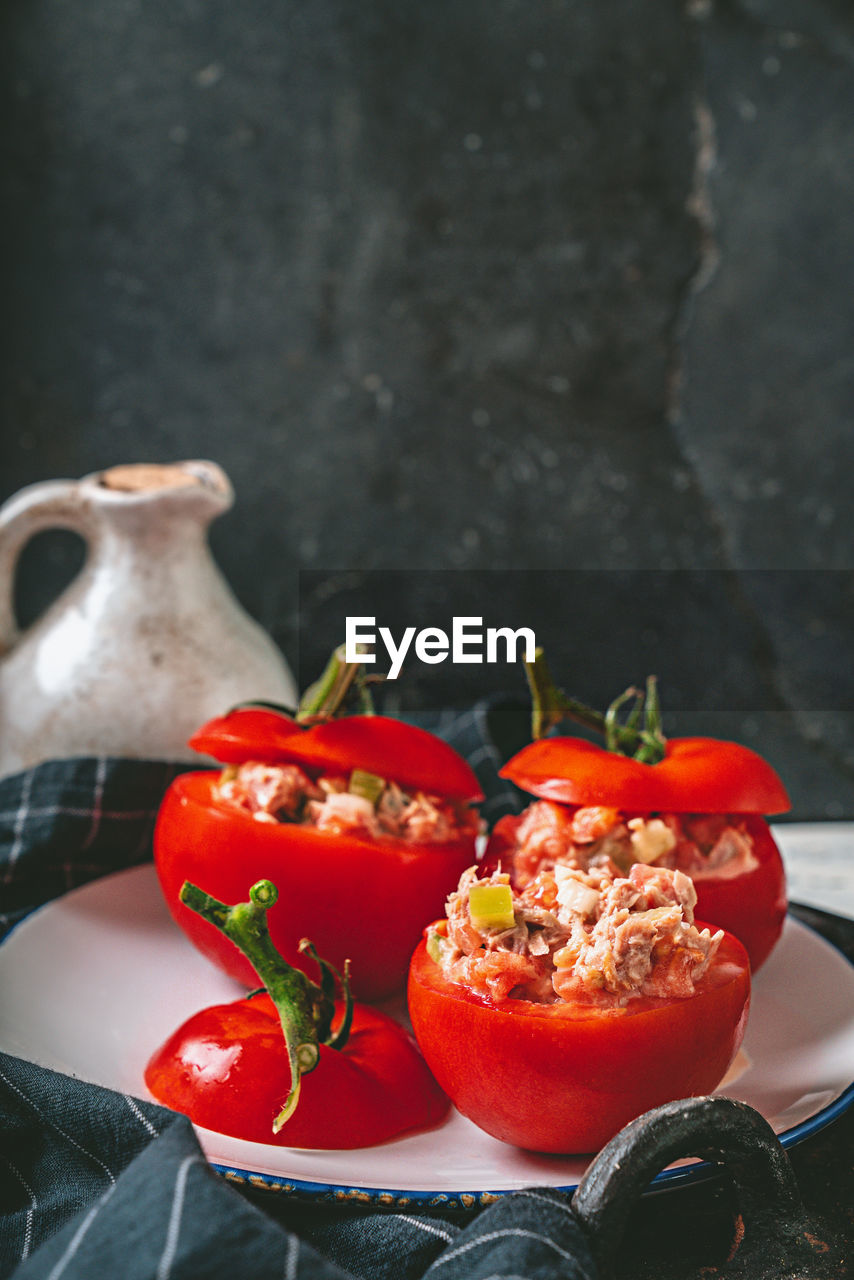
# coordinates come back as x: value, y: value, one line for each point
x: 554, y: 1016
x: 698, y: 810
x: 364, y: 822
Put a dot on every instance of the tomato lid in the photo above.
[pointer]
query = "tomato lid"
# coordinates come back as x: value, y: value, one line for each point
x: 697, y: 775
x: 410, y: 756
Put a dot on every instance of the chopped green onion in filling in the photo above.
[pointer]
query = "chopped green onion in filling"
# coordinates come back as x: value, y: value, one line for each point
x: 438, y: 947
x: 367, y: 785
x: 491, y: 906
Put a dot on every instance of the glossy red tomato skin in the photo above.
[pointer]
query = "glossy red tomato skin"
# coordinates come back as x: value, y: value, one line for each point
x: 697, y: 775
x: 390, y: 748
x: 751, y: 906
x: 362, y: 900
x: 559, y: 1079
x: 227, y: 1069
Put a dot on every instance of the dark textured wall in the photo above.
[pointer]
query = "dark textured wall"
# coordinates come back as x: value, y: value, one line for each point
x: 463, y: 286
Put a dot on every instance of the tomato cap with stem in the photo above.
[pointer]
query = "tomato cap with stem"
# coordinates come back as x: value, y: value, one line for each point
x: 305, y: 1008
x: 321, y: 736
x: 638, y: 769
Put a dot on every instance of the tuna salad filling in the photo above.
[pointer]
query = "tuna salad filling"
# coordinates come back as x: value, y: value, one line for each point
x: 551, y: 835
x: 363, y: 804
x: 586, y: 937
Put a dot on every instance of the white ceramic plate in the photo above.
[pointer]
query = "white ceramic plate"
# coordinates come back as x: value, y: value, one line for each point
x: 92, y: 983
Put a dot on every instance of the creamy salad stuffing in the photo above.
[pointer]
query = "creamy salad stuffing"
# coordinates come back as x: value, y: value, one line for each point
x: 596, y: 937
x: 551, y: 835
x: 363, y: 804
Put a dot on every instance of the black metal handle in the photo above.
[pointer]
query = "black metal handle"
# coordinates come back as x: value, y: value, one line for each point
x: 774, y: 1238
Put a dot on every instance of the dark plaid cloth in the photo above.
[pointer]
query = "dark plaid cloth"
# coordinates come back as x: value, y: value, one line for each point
x: 487, y: 734
x: 94, y: 1183
x: 67, y: 822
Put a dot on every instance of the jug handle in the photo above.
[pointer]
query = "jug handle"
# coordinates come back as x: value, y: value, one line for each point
x: 52, y: 504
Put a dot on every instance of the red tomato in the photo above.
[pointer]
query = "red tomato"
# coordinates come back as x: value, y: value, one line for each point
x: 697, y: 775
x: 355, y: 897
x: 563, y: 1077
x: 378, y: 744
x: 227, y: 1069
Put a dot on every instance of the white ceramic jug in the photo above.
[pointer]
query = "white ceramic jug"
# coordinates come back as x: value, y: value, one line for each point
x: 148, y: 641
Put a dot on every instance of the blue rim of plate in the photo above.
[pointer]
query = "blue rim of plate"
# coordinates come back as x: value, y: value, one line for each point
x: 378, y: 1197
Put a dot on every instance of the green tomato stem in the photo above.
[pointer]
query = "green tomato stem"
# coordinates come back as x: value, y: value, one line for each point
x: 305, y: 1008
x: 551, y: 706
x: 326, y: 697
x: 639, y: 736
x: 614, y: 731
